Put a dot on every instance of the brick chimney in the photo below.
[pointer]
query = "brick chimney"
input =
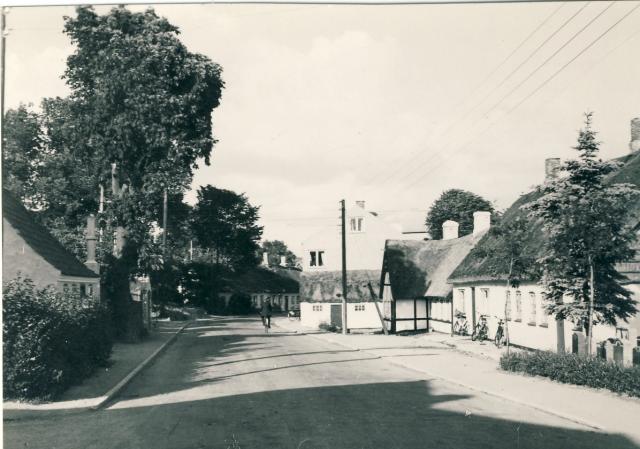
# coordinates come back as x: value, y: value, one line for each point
x: 481, y: 221
x: 449, y: 230
x: 283, y: 261
x: 91, y: 245
x: 634, y: 144
x: 360, y: 204
x: 551, y: 168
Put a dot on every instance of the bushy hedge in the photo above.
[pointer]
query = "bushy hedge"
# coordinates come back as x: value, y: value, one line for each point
x: 50, y: 340
x: 577, y: 370
x: 240, y: 304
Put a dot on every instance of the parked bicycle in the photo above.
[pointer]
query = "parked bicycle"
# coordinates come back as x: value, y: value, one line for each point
x: 461, y: 326
x: 481, y: 332
x: 500, y: 338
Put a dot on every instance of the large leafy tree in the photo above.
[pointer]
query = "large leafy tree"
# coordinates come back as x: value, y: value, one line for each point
x: 225, y: 225
x: 277, y: 248
x: 139, y: 119
x: 22, y: 147
x: 457, y: 205
x: 586, y: 223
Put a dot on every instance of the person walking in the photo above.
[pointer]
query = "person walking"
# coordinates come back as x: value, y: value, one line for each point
x: 265, y: 313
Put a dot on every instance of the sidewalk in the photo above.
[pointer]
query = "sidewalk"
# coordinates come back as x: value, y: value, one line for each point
x: 126, y: 360
x: 477, y: 369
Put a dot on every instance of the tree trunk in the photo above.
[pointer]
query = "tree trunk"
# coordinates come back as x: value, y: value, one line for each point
x: 592, y: 293
x: 506, y: 321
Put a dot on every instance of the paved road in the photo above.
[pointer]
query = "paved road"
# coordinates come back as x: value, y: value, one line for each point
x: 225, y: 384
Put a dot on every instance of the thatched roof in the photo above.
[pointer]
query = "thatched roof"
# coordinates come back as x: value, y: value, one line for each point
x: 326, y: 286
x: 486, y: 261
x: 421, y: 268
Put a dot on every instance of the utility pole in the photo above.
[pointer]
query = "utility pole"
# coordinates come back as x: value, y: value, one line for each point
x: 344, y: 269
x: 5, y: 11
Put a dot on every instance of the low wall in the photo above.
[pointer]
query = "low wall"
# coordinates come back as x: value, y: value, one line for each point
x: 359, y: 315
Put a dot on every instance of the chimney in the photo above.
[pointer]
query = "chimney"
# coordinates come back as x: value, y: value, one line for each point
x: 360, y: 204
x: 283, y: 261
x: 551, y: 168
x: 449, y: 230
x: 265, y: 259
x: 91, y: 245
x: 634, y: 144
x: 481, y: 221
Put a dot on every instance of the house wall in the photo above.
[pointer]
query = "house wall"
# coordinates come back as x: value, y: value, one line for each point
x: 365, y: 249
x: 529, y: 327
x: 440, y: 315
x: 404, y: 309
x: 359, y: 315
x: 19, y: 258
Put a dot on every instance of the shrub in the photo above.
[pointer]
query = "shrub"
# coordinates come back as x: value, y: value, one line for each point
x: 329, y: 327
x: 575, y: 369
x: 50, y: 340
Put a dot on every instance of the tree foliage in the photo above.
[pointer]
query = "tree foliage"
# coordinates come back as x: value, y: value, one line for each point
x: 275, y: 249
x: 22, y: 145
x: 457, y: 205
x: 586, y: 224
x: 225, y: 224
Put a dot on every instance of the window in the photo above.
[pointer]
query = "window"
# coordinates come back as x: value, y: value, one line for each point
x: 315, y: 258
x: 317, y: 308
x: 462, y: 301
x: 83, y: 290
x: 356, y: 224
x: 622, y: 333
x: 532, y: 308
x: 484, y: 301
x: 508, y: 306
x: 518, y: 306
x: 359, y: 307
x: 543, y: 313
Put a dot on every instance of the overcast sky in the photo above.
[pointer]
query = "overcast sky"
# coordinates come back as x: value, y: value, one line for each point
x: 388, y: 104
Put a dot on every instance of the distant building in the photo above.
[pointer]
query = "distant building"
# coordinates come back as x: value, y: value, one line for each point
x: 262, y: 284
x: 365, y: 236
x: 30, y: 251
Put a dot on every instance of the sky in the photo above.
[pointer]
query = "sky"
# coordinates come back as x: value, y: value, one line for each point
x: 387, y: 104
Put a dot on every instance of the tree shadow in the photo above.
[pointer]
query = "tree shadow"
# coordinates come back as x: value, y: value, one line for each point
x: 396, y: 415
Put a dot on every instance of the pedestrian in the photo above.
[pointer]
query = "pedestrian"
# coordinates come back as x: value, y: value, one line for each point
x: 265, y: 313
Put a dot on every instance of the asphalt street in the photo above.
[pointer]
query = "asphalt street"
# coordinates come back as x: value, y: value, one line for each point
x: 226, y: 384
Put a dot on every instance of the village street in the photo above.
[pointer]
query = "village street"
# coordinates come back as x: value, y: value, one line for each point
x: 224, y: 383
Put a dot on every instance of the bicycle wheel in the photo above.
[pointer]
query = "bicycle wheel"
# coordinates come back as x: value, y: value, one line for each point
x: 474, y: 335
x: 498, y: 339
x: 456, y: 328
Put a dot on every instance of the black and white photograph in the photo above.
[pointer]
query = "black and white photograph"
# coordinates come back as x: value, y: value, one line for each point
x: 321, y: 225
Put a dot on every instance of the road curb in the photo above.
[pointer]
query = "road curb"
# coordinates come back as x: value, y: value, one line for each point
x: 502, y: 396
x: 111, y: 394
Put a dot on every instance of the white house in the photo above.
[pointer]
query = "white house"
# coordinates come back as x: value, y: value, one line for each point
x: 480, y: 287
x: 365, y: 237
x: 415, y: 291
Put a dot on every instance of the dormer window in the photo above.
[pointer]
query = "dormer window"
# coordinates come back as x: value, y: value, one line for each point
x: 315, y: 258
x: 356, y: 224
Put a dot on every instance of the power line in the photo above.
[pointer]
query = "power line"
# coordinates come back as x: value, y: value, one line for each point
x: 478, y: 104
x: 546, y: 81
x: 472, y: 131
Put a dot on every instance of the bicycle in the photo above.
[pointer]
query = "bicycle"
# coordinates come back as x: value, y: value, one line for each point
x: 500, y: 338
x: 460, y: 327
x: 266, y: 322
x: 481, y: 331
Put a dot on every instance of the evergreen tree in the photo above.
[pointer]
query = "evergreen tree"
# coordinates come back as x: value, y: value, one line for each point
x: 585, y: 220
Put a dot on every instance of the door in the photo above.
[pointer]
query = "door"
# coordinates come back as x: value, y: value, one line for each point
x: 336, y: 315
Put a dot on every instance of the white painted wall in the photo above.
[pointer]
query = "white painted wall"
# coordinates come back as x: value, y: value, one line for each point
x: 312, y: 314
x: 365, y: 249
x: 404, y: 309
x: 526, y: 328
